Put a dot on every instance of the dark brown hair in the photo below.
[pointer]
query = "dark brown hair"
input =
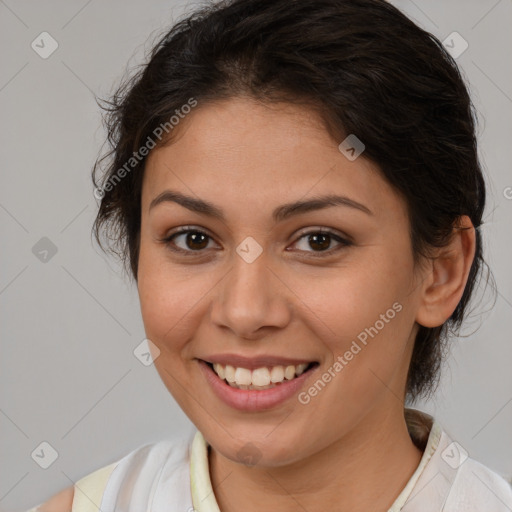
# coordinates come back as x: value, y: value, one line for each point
x: 363, y: 66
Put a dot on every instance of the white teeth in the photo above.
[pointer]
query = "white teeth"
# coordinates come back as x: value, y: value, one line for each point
x: 229, y: 373
x: 289, y: 372
x: 277, y: 374
x: 299, y: 370
x: 259, y: 378
x: 219, y: 369
x: 243, y: 377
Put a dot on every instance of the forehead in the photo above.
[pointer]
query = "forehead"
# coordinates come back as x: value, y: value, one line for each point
x: 240, y: 154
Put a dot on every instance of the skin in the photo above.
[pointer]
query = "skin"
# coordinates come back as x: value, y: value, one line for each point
x: 348, y: 448
x: 61, y: 502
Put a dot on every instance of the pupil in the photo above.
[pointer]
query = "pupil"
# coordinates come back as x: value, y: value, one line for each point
x: 318, y: 239
x: 194, y: 237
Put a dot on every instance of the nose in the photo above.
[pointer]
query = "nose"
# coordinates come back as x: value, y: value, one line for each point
x: 251, y: 300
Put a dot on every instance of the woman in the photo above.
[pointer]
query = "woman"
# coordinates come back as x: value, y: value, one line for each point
x: 295, y: 188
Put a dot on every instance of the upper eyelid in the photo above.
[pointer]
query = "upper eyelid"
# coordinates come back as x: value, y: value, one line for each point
x: 183, y: 230
x: 301, y: 232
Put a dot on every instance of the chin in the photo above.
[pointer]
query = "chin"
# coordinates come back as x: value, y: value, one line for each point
x: 257, y: 450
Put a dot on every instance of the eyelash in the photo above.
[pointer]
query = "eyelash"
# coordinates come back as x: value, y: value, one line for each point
x: 168, y: 241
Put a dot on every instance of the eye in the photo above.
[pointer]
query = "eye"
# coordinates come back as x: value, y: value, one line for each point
x: 192, y: 240
x: 320, y: 240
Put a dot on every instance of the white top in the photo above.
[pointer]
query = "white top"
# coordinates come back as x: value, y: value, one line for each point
x: 154, y: 476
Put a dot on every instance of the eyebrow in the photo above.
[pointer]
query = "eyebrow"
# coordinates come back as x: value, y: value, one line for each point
x: 280, y: 214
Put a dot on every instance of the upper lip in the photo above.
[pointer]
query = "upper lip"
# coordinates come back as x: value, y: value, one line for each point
x: 251, y: 363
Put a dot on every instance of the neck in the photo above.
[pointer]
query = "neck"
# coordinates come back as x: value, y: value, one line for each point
x: 365, y: 470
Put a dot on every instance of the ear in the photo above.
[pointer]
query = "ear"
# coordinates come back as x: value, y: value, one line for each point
x: 445, y: 276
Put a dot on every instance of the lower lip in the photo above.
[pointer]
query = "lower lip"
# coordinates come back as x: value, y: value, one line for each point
x: 251, y: 400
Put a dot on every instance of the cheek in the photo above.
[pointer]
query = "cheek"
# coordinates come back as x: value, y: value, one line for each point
x: 165, y: 298
x: 345, y: 301
x: 364, y: 314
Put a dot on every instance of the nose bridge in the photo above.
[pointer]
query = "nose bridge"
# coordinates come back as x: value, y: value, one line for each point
x: 247, y: 281
x: 250, y: 297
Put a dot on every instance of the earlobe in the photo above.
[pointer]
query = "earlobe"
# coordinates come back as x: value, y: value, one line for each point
x: 447, y: 276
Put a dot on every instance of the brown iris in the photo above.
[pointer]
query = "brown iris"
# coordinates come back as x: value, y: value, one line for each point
x: 200, y: 239
x: 322, y: 241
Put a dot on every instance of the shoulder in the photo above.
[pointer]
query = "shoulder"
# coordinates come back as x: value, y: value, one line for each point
x: 147, y: 460
x: 60, y: 502
x: 477, y: 487
x: 449, y: 479
x: 143, y: 469
x: 142, y: 466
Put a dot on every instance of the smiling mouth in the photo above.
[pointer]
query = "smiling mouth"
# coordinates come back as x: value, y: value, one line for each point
x: 259, y: 378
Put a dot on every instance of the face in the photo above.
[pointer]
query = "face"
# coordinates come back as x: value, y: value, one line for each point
x: 313, y: 304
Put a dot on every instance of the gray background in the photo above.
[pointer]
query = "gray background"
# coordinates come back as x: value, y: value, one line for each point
x: 69, y: 325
